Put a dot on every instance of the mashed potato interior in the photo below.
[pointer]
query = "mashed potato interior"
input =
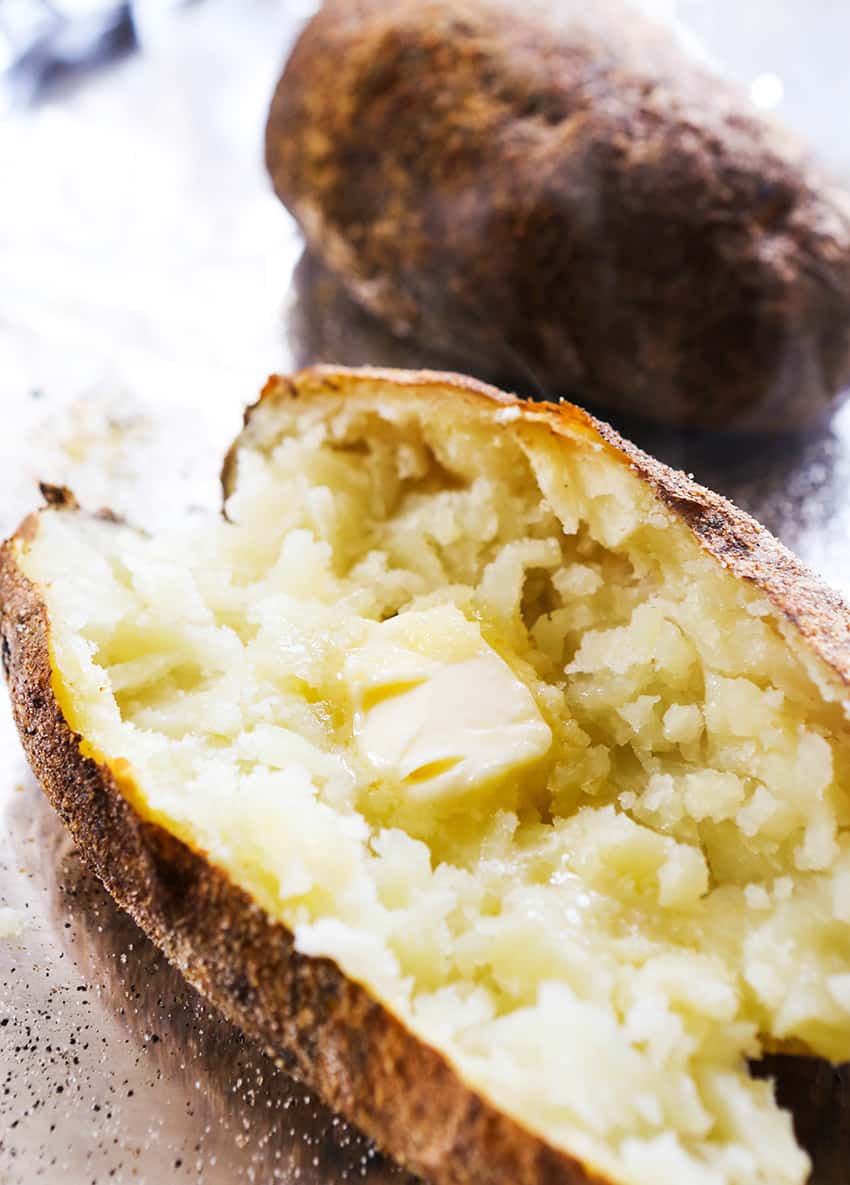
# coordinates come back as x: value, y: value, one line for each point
x: 474, y: 715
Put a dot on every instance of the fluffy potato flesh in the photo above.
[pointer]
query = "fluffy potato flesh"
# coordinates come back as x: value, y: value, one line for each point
x: 470, y: 711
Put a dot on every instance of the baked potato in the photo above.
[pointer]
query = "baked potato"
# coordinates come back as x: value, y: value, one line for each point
x: 490, y: 773
x: 561, y: 196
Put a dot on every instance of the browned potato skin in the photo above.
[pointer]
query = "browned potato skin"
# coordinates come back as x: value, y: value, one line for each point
x: 577, y: 207
x: 322, y: 1027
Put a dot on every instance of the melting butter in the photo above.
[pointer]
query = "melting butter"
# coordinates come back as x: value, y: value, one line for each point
x: 437, y: 709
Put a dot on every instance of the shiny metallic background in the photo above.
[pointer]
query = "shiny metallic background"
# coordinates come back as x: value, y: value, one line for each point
x: 148, y: 283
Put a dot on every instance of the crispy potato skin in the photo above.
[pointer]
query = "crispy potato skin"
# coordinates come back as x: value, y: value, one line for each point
x: 573, y: 205
x: 322, y: 1027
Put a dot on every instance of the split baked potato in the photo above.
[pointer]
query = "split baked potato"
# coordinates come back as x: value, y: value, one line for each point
x: 561, y: 197
x: 490, y: 773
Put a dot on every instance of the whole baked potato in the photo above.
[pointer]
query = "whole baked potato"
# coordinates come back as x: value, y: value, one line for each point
x: 564, y: 197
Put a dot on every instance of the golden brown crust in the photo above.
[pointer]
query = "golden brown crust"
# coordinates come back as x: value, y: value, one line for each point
x: 818, y: 613
x: 322, y: 1027
x: 571, y: 203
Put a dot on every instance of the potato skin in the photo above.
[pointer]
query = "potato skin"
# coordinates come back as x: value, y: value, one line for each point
x: 321, y: 1026
x: 568, y: 203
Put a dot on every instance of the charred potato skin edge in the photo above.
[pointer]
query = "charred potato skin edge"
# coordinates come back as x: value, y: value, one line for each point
x: 321, y: 1027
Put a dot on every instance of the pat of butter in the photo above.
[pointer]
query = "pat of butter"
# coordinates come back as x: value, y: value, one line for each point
x: 438, y: 709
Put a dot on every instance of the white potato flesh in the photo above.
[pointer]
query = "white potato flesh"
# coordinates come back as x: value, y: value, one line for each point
x: 477, y: 718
